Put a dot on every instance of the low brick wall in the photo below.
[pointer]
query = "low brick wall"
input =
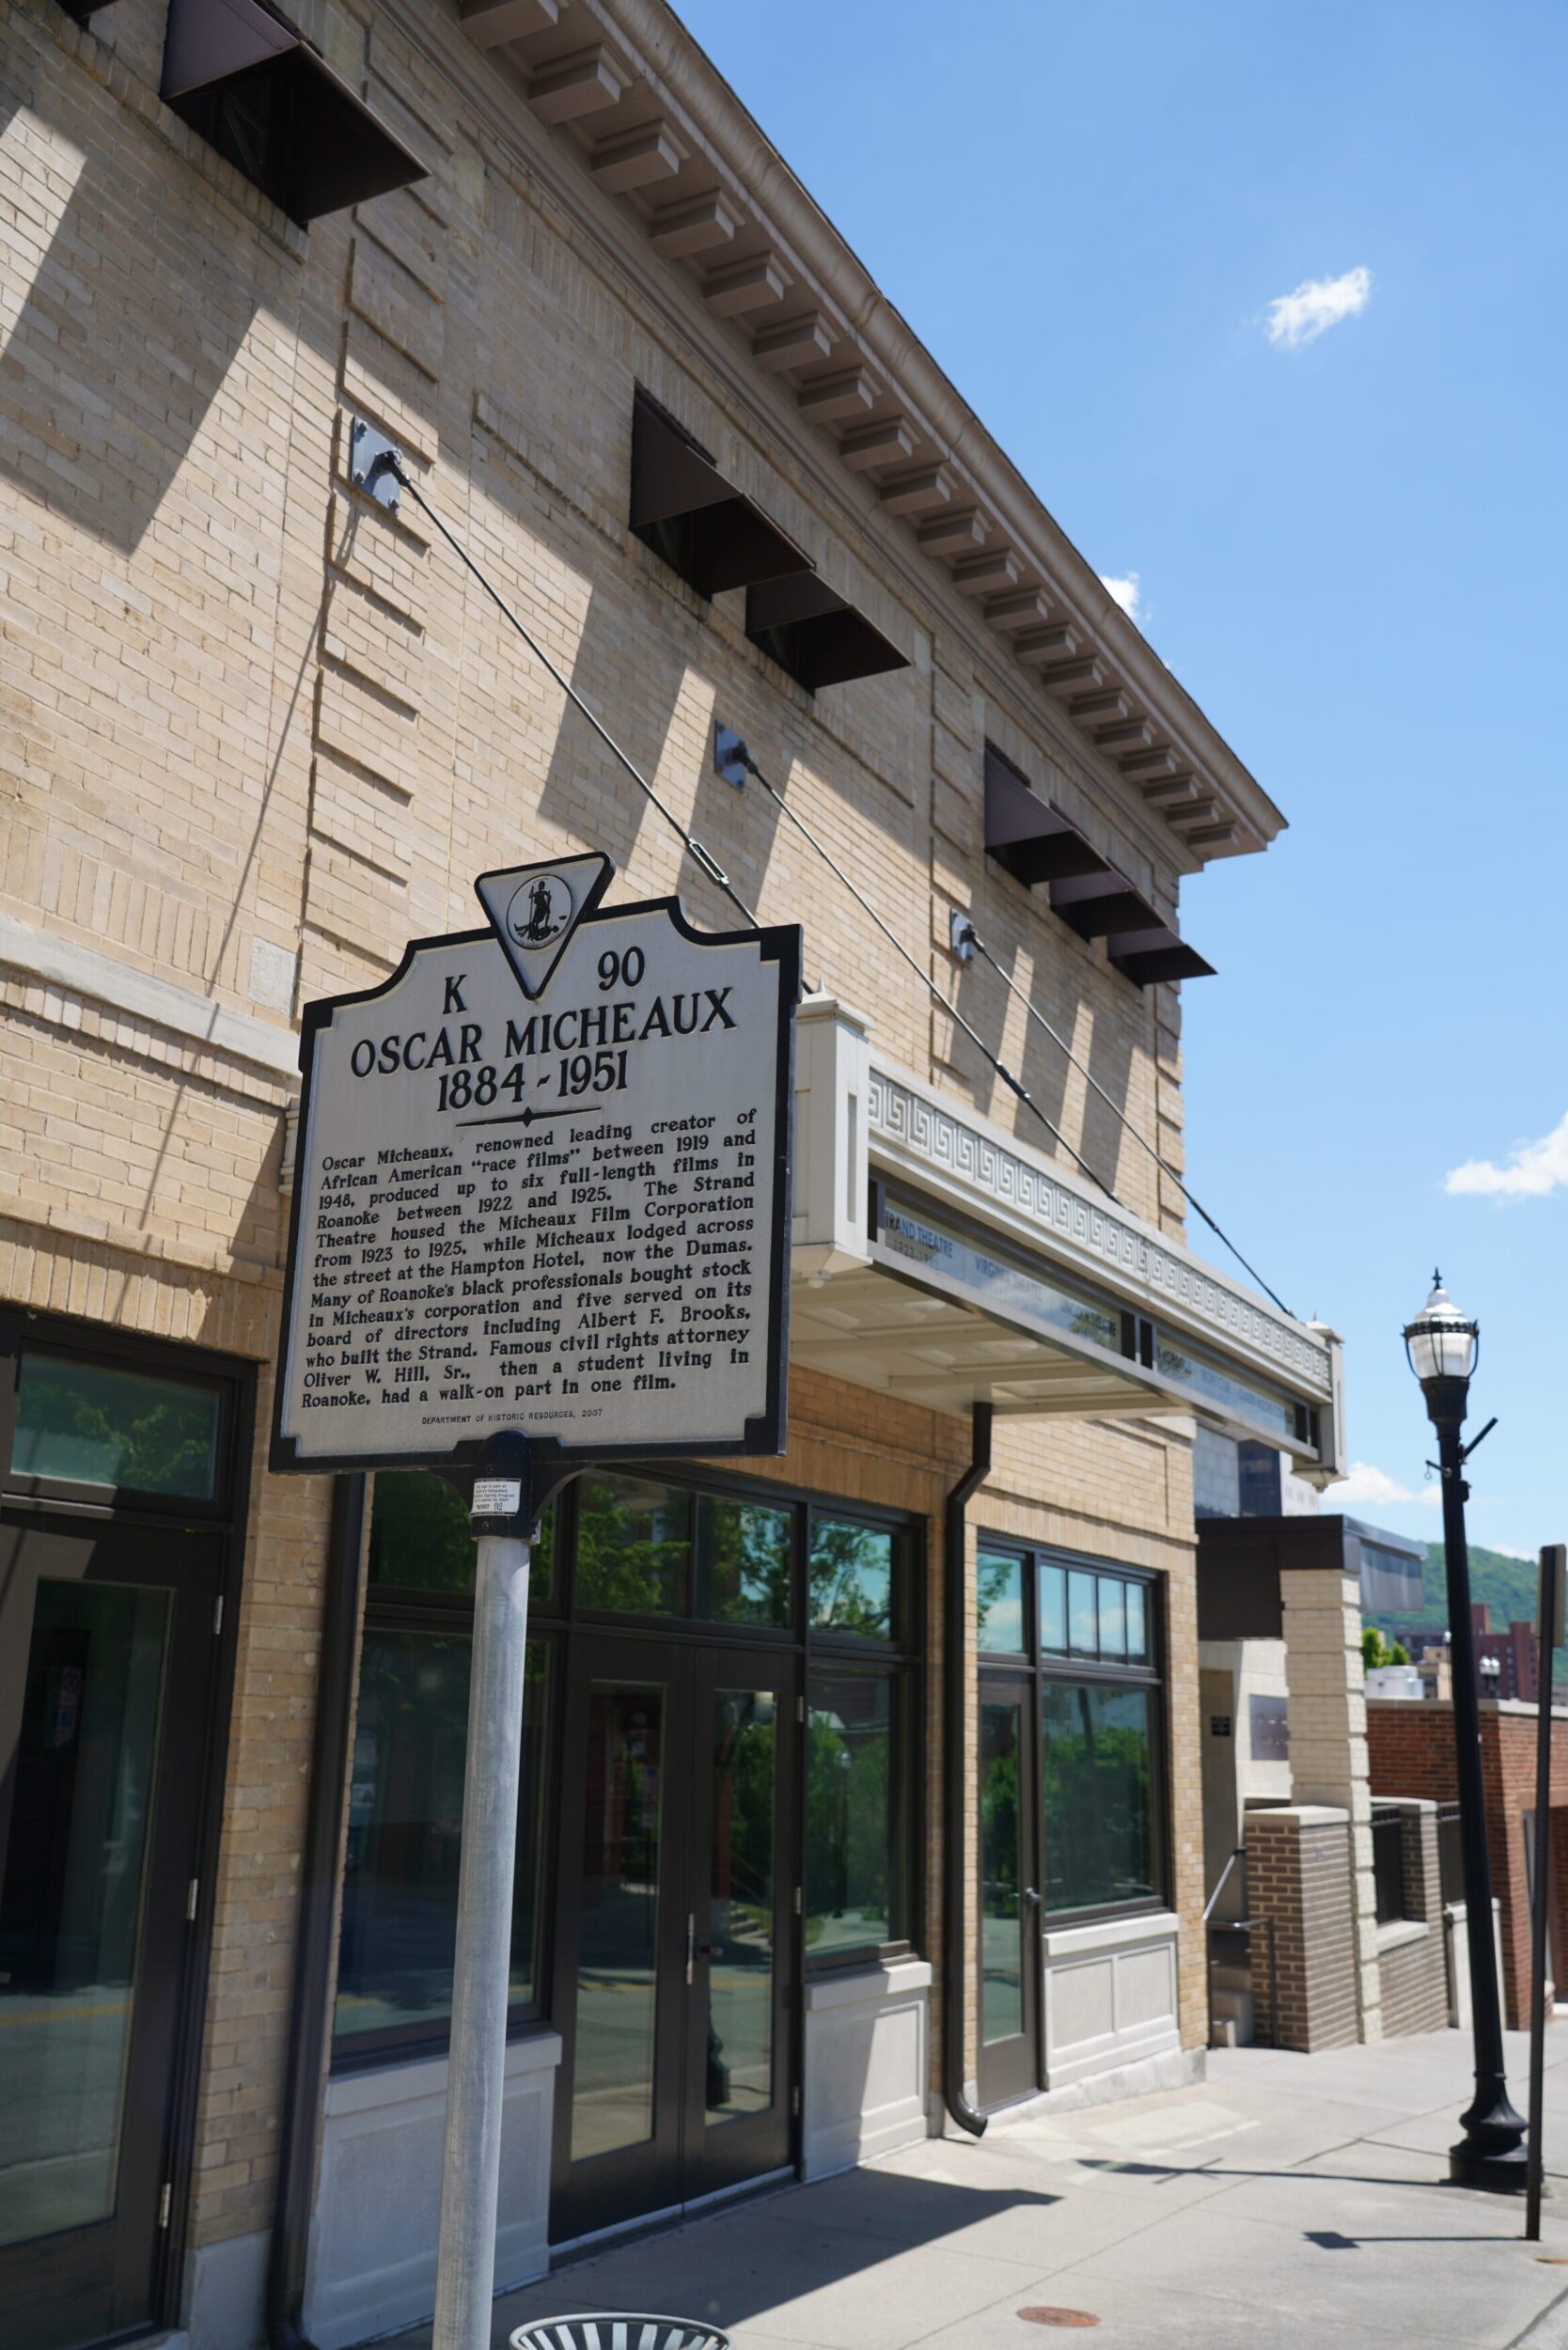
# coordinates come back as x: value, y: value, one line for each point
x: 1298, y: 1876
x: 1410, y: 1958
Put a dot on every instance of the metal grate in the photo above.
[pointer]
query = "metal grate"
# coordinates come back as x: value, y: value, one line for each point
x: 619, y: 2330
x: 1388, y: 1865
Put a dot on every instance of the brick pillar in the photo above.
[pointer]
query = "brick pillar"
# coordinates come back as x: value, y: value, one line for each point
x: 1298, y: 1876
x: 1327, y: 1714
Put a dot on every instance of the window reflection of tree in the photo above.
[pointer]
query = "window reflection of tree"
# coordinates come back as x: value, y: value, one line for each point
x: 850, y: 1824
x: 851, y: 1579
x: 634, y: 1546
x: 83, y: 1424
x: 1097, y: 1772
x: 743, y: 1556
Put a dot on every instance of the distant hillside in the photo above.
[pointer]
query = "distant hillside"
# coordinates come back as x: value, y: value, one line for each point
x: 1508, y: 1586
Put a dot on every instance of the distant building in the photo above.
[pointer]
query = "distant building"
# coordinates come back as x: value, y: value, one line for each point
x: 1435, y: 1667
x: 1508, y: 1664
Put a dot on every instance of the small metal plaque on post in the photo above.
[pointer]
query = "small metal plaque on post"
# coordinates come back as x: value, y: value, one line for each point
x: 496, y: 1497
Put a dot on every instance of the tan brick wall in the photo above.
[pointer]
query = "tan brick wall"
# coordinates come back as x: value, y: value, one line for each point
x: 243, y: 710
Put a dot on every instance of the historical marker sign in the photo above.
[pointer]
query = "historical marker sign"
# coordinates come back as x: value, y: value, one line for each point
x: 542, y: 1183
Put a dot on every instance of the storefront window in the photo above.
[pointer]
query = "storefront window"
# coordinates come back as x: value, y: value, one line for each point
x: 1095, y: 1823
x: 420, y: 1540
x: 1097, y: 1780
x: 405, y: 1833
x: 744, y: 1553
x: 693, y: 1558
x: 855, y: 1892
x: 1053, y: 1608
x: 999, y: 1602
x: 859, y: 1692
x: 1083, y: 1614
x: 634, y: 1546
x: 852, y: 1578
x: 89, y: 1424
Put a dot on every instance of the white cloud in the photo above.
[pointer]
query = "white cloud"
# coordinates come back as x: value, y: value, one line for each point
x: 1125, y: 592
x: 1367, y: 1487
x: 1320, y: 302
x: 1530, y: 1170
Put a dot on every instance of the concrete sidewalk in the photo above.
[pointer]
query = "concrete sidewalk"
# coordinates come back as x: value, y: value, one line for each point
x: 1285, y: 2202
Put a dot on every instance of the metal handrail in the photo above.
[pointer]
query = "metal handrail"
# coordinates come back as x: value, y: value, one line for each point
x: 1240, y: 1854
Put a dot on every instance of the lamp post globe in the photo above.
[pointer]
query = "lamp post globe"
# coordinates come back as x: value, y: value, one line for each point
x: 1442, y: 1345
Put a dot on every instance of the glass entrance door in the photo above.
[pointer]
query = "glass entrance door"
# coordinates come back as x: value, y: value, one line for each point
x: 105, y: 1654
x: 1008, y: 1846
x: 674, y: 1961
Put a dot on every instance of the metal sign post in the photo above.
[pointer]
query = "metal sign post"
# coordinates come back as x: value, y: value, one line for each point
x: 475, y: 2076
x: 540, y: 1219
x: 1554, y: 1574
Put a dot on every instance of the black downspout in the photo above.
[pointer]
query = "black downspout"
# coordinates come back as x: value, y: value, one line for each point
x: 309, y: 1999
x: 955, y: 1820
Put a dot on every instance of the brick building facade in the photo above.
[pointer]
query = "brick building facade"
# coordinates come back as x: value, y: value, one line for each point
x: 1412, y: 1754
x: 260, y: 730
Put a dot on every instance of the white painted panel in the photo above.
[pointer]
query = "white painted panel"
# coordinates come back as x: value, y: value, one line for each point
x: 372, y: 2239
x: 1081, y: 2002
x: 1146, y: 1987
x: 866, y: 2043
x: 1110, y: 1997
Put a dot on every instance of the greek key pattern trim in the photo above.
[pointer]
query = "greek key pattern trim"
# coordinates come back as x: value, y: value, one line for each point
x: 1125, y: 1249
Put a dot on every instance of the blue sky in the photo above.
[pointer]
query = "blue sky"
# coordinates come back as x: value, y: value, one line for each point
x: 1349, y: 546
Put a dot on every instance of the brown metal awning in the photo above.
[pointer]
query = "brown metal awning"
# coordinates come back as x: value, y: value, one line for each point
x: 1027, y: 835
x: 255, y: 89
x: 1101, y: 905
x: 1161, y: 954
x: 815, y: 634
x: 695, y: 521
x: 1036, y: 843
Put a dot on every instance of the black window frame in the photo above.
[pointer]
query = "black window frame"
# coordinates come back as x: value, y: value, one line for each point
x: 116, y: 1351
x: 900, y: 1660
x: 418, y: 1608
x: 1067, y: 1667
x: 551, y: 1618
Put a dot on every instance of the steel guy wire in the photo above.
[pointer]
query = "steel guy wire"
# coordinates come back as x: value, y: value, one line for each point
x: 1163, y: 1164
x: 1013, y: 1083
x: 389, y: 462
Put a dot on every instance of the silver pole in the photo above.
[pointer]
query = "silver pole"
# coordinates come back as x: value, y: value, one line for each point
x: 471, y: 2169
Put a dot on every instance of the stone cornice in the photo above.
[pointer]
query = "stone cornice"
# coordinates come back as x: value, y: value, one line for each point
x: 653, y: 27
x: 604, y: 75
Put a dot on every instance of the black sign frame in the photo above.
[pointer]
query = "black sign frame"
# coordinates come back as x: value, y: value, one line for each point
x: 554, y: 1460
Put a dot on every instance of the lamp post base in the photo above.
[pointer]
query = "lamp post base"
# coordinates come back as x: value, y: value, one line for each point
x: 1473, y: 2166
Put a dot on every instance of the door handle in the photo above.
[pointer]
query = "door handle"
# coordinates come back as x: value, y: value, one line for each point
x: 1031, y: 1897
x: 695, y: 1950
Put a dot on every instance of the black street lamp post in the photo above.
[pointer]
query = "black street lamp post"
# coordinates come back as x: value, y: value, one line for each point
x: 1442, y: 1347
